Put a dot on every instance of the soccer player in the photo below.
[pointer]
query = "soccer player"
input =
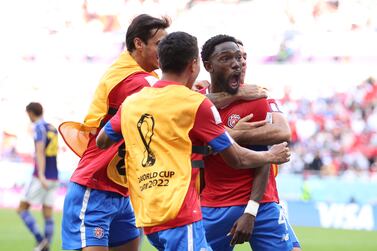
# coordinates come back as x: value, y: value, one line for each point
x: 44, y: 182
x: 97, y: 212
x: 165, y: 128
x: 231, y: 198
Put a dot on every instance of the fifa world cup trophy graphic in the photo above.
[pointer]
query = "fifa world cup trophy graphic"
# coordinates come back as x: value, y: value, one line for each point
x: 145, y: 127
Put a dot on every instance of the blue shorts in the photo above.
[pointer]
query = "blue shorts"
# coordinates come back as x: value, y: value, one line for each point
x: 96, y: 218
x: 292, y: 236
x: 271, y: 231
x: 186, y: 238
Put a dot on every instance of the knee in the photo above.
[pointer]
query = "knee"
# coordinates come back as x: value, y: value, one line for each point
x: 22, y: 207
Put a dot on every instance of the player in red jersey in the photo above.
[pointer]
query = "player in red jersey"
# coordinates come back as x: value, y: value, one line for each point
x: 230, y: 199
x: 97, y: 211
x: 160, y: 125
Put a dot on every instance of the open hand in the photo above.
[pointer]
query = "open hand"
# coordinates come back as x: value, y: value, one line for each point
x: 244, y: 124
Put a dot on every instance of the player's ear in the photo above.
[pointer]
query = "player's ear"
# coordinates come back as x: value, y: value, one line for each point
x: 194, y: 65
x: 208, y: 66
x: 139, y: 44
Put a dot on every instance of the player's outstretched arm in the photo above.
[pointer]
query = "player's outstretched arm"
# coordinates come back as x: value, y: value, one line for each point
x: 242, y: 158
x: 246, y: 92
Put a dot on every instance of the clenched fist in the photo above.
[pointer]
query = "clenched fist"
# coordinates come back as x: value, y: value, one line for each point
x: 280, y: 153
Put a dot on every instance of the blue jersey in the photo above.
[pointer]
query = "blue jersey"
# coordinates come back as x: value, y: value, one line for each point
x: 49, y: 135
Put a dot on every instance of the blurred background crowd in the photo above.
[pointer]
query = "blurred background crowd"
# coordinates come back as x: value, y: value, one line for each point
x: 318, y: 57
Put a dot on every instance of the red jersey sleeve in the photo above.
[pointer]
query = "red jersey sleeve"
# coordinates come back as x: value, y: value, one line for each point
x: 113, y: 127
x: 273, y: 105
x: 209, y: 129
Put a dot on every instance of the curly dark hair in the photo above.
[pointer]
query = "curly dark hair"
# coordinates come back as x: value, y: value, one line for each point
x: 210, y: 44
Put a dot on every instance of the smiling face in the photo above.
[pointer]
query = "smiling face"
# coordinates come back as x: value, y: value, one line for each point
x: 225, y: 67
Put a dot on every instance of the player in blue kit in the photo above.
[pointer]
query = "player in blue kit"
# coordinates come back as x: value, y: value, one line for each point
x: 44, y: 182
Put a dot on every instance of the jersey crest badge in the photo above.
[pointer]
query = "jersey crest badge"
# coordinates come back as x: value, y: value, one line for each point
x: 98, y: 233
x: 233, y: 119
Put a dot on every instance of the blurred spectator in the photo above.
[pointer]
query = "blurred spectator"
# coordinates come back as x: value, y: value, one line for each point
x: 336, y: 135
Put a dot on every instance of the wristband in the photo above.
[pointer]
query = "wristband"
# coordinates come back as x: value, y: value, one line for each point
x: 252, y: 208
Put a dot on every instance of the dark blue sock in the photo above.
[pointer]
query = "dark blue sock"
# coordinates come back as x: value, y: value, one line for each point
x: 49, y: 229
x: 29, y: 221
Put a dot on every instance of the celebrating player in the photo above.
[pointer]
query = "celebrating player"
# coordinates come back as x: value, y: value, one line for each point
x: 242, y: 201
x: 165, y: 129
x: 97, y: 211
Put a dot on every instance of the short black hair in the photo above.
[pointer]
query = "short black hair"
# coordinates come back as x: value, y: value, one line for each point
x: 142, y: 26
x: 176, y: 51
x: 35, y: 108
x: 209, y: 46
x: 239, y: 42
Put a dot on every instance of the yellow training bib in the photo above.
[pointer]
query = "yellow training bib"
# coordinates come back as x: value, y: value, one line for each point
x: 155, y: 125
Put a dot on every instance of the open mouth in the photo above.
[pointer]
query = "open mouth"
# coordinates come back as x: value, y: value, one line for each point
x: 234, y: 80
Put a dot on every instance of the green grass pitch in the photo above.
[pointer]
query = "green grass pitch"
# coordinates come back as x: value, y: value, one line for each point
x: 14, y: 236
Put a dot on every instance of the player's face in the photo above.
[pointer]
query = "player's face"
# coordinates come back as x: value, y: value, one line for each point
x: 226, y: 67
x: 243, y: 62
x: 31, y: 116
x: 149, y: 52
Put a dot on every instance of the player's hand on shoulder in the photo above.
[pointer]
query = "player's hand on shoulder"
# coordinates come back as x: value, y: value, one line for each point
x: 280, y: 153
x: 252, y: 92
x: 242, y: 229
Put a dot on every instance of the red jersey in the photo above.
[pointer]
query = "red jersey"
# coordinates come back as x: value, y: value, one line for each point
x: 207, y: 129
x: 225, y: 186
x: 92, y: 168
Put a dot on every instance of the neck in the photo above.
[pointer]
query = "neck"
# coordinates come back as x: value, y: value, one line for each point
x: 36, y: 119
x: 140, y: 61
x: 181, y: 79
x: 214, y: 87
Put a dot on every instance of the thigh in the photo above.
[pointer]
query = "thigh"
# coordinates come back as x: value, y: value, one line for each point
x: 271, y: 229
x: 292, y: 236
x: 186, y: 238
x: 218, y: 223
x: 50, y: 194
x: 87, y: 215
x: 34, y: 193
x: 123, y: 228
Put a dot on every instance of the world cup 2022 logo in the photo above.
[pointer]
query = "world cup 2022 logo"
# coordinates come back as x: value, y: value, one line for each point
x: 145, y: 126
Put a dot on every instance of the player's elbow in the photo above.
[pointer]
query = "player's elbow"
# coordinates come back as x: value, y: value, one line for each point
x: 102, y: 141
x: 286, y: 136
